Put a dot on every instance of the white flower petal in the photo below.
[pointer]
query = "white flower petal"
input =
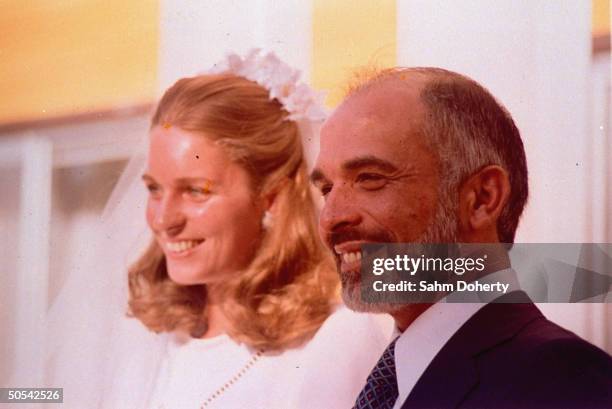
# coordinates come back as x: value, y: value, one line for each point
x: 282, y: 82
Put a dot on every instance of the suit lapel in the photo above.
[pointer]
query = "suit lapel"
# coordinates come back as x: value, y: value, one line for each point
x: 453, y: 373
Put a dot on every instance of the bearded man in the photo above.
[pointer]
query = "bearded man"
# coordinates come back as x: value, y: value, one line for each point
x: 425, y: 155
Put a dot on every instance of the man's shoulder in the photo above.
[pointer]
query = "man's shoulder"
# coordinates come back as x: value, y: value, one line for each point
x: 544, y: 336
x: 510, y: 355
x: 545, y: 364
x: 550, y: 348
x: 543, y: 346
x: 521, y: 335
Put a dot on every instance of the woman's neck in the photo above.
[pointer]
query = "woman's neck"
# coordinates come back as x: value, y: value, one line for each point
x: 217, y: 321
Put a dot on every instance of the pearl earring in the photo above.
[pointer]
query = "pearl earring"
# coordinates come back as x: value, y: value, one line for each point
x: 267, y: 220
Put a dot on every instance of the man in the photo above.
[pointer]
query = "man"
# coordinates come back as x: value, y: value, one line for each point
x: 424, y: 155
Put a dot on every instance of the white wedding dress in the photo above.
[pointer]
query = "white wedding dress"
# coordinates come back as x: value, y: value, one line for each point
x: 327, y: 372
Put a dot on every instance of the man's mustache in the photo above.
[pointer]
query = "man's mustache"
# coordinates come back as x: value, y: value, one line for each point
x: 342, y: 236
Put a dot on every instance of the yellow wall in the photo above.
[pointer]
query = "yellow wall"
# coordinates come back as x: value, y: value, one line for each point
x: 601, y: 17
x: 68, y: 57
x: 349, y: 34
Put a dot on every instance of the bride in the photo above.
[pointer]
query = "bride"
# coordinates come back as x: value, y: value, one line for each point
x: 235, y: 299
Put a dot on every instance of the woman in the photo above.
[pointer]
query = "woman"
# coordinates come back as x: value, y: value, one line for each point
x: 236, y: 279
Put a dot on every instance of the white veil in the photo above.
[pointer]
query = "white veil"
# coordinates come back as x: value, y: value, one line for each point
x: 100, y: 357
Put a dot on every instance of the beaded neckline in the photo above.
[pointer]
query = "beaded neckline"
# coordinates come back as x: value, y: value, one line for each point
x: 231, y: 381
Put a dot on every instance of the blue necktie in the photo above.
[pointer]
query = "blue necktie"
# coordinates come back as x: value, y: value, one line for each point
x: 380, y: 391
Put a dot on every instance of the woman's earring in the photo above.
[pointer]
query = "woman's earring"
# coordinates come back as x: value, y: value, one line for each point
x: 268, y: 220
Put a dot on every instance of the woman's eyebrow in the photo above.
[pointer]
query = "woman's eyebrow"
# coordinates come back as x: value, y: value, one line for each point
x: 188, y: 180
x: 185, y: 180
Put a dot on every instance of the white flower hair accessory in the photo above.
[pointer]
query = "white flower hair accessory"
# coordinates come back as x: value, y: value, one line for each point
x: 282, y: 82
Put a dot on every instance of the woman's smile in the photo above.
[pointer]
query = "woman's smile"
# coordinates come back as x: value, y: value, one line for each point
x: 181, y: 248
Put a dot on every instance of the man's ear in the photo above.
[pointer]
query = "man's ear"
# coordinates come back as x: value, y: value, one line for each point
x: 482, y: 198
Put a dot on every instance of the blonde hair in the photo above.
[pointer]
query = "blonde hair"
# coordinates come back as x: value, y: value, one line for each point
x: 290, y: 286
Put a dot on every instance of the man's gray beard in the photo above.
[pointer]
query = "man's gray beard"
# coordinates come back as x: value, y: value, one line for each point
x: 443, y: 229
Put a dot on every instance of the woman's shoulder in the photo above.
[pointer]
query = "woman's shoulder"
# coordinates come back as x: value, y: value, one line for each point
x: 346, y: 329
x: 338, y: 359
x: 343, y: 318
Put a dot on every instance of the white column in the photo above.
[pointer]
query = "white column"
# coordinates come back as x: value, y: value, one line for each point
x: 534, y: 56
x: 33, y: 263
x: 196, y: 34
x: 600, y: 148
x: 600, y: 171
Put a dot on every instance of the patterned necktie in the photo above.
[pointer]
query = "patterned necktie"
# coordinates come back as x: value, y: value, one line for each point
x: 380, y: 391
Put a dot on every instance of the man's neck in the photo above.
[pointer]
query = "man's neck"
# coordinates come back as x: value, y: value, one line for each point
x: 405, y: 316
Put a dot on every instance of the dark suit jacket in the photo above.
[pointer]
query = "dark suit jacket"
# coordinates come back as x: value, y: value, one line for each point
x: 511, y: 356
